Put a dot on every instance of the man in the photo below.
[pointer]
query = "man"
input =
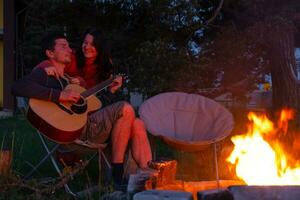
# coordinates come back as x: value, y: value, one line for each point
x: 116, y: 121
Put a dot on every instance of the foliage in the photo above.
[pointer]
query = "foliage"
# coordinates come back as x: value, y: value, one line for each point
x: 27, y: 152
x: 235, y: 54
x: 165, y: 45
x: 132, y: 27
x: 160, y: 67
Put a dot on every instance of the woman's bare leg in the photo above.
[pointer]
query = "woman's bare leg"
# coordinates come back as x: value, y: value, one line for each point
x: 141, y: 150
x: 121, y: 134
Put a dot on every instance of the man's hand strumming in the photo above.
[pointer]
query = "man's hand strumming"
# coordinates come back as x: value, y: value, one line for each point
x: 69, y: 96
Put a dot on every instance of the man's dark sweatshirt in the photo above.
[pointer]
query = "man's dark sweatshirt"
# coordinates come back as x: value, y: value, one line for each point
x: 41, y: 86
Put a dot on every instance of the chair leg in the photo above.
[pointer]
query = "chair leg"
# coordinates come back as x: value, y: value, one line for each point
x: 107, y: 168
x: 99, y: 166
x: 216, y: 164
x: 55, y: 165
x: 153, y: 146
x: 108, y: 165
x: 49, y: 153
x: 51, y: 157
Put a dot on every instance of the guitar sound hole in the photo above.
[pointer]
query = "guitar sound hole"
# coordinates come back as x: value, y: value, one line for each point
x: 80, y: 101
x: 79, y: 107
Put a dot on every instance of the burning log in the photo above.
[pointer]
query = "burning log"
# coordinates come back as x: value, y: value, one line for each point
x: 166, y: 171
x: 161, y: 172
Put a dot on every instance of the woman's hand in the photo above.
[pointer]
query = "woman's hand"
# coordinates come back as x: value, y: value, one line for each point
x: 53, y: 71
x: 117, y: 84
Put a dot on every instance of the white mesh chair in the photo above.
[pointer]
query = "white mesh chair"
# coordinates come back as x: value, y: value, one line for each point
x: 187, y: 122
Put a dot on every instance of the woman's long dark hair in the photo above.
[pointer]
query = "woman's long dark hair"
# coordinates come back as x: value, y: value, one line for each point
x: 103, y: 61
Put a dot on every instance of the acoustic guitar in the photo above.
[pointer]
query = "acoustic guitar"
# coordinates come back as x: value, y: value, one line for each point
x: 64, y: 122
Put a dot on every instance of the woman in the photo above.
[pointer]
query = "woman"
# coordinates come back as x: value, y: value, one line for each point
x: 92, y: 65
x: 93, y: 61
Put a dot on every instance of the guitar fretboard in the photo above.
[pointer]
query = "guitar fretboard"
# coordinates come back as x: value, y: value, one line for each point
x: 97, y: 88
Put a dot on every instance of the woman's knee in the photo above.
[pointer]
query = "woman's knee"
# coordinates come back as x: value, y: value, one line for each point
x: 139, y: 129
x: 138, y: 123
x: 128, y: 110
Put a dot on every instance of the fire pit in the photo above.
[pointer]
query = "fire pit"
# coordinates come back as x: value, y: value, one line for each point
x: 194, y: 187
x: 252, y: 193
x: 261, y: 163
x: 165, y: 180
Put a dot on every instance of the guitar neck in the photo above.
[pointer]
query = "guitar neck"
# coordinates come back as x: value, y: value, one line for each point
x: 97, y: 88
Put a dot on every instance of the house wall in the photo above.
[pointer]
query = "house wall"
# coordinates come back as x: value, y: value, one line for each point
x: 1, y: 53
x: 9, y: 53
x: 1, y: 74
x: 1, y: 11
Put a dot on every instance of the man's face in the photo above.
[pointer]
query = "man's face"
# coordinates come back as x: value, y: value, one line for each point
x: 61, y: 52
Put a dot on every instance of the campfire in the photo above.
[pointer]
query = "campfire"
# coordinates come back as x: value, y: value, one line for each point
x: 262, y: 162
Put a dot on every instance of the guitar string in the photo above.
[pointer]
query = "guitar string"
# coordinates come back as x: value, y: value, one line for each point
x: 62, y: 87
x: 61, y: 84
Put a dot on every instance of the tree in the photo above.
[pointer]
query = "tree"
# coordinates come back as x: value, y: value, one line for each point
x: 281, y: 43
x: 133, y: 28
x: 272, y: 25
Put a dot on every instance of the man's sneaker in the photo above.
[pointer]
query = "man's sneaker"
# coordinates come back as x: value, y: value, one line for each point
x: 143, y: 179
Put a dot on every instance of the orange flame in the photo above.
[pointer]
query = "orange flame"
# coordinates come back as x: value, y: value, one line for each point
x: 285, y: 116
x: 256, y: 161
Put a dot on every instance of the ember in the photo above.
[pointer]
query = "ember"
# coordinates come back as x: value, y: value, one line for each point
x: 258, y: 162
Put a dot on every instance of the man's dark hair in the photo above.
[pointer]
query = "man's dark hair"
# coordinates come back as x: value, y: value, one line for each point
x: 48, y: 41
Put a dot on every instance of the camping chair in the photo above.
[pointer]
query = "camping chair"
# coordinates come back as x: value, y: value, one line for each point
x: 98, y: 148
x: 187, y: 122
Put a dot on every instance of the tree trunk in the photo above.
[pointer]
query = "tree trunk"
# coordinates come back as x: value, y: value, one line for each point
x: 280, y: 40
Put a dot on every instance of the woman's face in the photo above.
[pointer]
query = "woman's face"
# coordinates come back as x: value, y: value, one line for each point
x: 88, y: 48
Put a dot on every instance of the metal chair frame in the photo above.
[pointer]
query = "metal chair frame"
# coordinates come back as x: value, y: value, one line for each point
x: 213, y: 145
x: 23, y: 106
x: 50, y: 151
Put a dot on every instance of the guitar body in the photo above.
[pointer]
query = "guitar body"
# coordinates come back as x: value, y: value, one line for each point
x: 56, y: 123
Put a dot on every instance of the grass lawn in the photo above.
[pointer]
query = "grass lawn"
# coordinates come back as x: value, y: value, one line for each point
x: 20, y: 137
x: 18, y: 134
